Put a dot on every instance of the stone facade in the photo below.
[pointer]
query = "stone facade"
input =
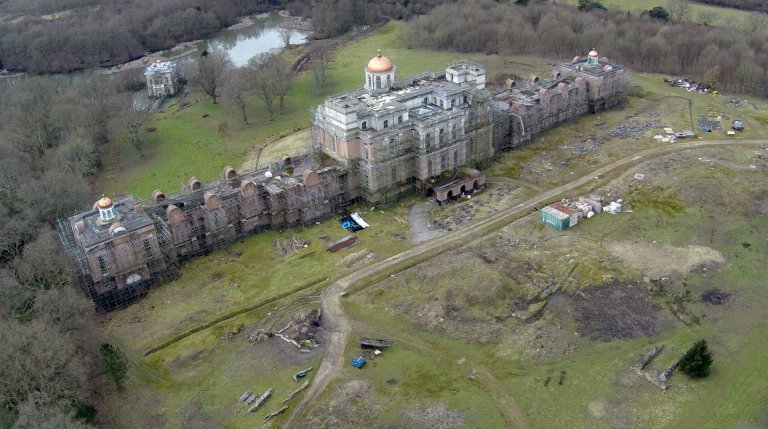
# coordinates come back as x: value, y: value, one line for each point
x: 399, y: 137
x: 374, y: 144
x: 162, y: 79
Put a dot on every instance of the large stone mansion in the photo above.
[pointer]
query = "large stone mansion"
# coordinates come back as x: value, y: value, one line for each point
x: 391, y: 137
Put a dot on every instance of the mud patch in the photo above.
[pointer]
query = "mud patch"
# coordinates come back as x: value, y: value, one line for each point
x: 715, y: 297
x: 438, y: 417
x: 655, y: 260
x: 615, y: 311
x: 195, y: 418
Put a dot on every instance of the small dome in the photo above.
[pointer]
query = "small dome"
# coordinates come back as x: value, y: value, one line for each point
x: 104, y: 203
x: 379, y: 64
x: 593, y: 53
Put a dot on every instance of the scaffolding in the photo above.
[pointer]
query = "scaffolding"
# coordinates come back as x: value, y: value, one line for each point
x: 150, y: 266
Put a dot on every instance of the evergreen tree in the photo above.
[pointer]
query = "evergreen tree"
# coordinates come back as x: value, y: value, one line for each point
x: 115, y: 363
x: 697, y: 360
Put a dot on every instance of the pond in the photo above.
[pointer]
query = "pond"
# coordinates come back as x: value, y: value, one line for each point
x: 260, y: 37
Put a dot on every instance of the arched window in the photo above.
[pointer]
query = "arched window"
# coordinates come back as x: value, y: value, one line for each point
x: 427, y: 140
x: 465, y: 99
x: 429, y: 168
x: 389, y: 81
x: 378, y: 82
x: 400, y: 119
x: 441, y: 103
x: 455, y: 159
x: 364, y: 125
x: 394, y: 173
x: 441, y: 138
x: 453, y: 132
x: 442, y: 163
x: 453, y: 102
x: 426, y: 101
x: 369, y: 81
x: 386, y: 124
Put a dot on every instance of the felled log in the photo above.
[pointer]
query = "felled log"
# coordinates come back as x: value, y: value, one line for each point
x: 244, y: 396
x: 301, y: 374
x: 295, y: 392
x: 258, y: 403
x: 276, y: 413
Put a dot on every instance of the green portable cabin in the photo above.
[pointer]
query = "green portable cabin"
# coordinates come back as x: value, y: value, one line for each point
x: 559, y: 216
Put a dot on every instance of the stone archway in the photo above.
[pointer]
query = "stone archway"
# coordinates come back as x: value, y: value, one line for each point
x: 430, y: 192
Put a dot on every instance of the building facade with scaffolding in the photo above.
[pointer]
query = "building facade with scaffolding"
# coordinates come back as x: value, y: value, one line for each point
x: 397, y: 136
x: 124, y: 248
x: 523, y: 110
x: 375, y: 144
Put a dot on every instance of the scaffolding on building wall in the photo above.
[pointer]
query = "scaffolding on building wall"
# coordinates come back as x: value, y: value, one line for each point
x: 105, y: 292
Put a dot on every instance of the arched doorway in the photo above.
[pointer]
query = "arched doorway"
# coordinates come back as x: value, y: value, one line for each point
x: 430, y: 192
x: 475, y: 185
x: 450, y: 195
x: 463, y: 189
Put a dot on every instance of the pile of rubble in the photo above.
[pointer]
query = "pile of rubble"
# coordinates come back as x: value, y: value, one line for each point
x: 690, y: 85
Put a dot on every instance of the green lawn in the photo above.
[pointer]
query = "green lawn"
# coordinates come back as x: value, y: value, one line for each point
x: 726, y: 16
x: 186, y: 144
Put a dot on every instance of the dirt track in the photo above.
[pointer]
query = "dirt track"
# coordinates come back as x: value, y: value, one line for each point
x: 338, y: 325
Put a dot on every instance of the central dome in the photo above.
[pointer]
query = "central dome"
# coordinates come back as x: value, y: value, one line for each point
x: 379, y: 64
x: 104, y: 203
x: 593, y: 53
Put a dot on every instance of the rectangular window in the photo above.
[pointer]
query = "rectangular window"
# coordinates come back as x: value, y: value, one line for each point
x: 103, y: 266
x: 148, y: 249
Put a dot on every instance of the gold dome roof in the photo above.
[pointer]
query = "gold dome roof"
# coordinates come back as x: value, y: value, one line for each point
x: 104, y: 203
x: 379, y: 64
x: 593, y: 53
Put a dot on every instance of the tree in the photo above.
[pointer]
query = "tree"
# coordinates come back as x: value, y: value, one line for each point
x: 697, y: 360
x: 321, y: 60
x: 271, y: 78
x: 708, y: 18
x: 115, y: 363
x: 39, y: 412
x: 755, y: 23
x: 239, y: 84
x: 285, y: 35
x: 678, y: 10
x: 659, y: 13
x: 133, y: 121
x: 212, y: 66
x: 587, y: 5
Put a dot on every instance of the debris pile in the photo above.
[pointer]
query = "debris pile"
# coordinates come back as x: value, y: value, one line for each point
x: 259, y: 336
x: 287, y: 245
x: 229, y: 334
x: 302, y: 329
x: 689, y: 84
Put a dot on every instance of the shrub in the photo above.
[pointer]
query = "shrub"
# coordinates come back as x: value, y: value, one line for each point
x: 697, y: 360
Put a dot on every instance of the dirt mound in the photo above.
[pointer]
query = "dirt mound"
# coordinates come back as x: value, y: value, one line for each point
x: 715, y: 297
x: 656, y: 260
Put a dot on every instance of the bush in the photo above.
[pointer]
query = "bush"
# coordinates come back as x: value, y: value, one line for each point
x: 85, y: 412
x: 697, y: 360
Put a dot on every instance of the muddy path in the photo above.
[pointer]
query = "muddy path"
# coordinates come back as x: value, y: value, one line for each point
x: 338, y: 323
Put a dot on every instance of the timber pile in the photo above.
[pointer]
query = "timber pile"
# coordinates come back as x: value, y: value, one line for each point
x: 302, y: 328
x: 259, y: 402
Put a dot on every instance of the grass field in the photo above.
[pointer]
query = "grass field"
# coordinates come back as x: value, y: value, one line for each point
x: 725, y: 16
x: 187, y: 144
x: 448, y: 311
x: 451, y: 371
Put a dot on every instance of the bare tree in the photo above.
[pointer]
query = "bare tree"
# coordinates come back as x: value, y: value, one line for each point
x: 212, y: 66
x: 678, y: 10
x: 708, y: 18
x: 133, y: 133
x: 285, y: 35
x: 239, y: 84
x: 321, y: 60
x: 755, y: 23
x: 271, y: 77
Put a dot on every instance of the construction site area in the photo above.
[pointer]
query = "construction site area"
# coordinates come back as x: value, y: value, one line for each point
x: 471, y: 312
